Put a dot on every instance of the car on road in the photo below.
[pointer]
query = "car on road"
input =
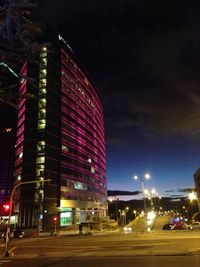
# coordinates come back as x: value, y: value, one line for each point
x: 177, y: 226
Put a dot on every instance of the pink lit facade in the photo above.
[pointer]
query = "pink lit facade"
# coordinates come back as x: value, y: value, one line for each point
x: 20, y: 124
x: 60, y: 136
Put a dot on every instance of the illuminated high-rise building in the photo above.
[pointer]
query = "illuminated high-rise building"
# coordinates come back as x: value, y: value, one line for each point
x: 60, y: 136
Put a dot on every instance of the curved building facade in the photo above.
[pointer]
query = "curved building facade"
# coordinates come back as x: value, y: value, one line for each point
x: 60, y: 136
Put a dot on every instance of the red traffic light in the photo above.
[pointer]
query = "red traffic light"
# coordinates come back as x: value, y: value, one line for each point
x: 55, y: 218
x: 6, y: 207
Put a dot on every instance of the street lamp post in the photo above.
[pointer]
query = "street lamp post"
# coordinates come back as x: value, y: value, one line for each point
x: 135, y: 213
x: 116, y: 210
x: 126, y: 211
x: 147, y: 177
x: 10, y: 211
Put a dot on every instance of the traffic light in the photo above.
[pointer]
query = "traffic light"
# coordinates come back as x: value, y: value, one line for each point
x: 55, y: 219
x: 6, y: 207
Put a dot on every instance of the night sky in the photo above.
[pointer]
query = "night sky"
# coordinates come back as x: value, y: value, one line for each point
x: 144, y: 57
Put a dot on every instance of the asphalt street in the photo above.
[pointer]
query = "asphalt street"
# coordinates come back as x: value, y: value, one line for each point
x: 178, y: 248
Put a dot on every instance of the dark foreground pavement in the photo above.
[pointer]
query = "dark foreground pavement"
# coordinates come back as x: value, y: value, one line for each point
x: 146, y: 261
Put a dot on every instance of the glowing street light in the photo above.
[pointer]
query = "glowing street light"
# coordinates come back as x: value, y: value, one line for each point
x: 153, y: 191
x: 147, y: 176
x: 192, y: 196
x: 135, y: 213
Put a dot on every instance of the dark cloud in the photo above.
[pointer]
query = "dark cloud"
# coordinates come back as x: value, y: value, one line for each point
x: 144, y: 57
x: 122, y: 193
x: 176, y: 192
x: 186, y: 190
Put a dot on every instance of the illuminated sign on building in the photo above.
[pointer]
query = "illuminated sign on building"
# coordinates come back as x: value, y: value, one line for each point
x: 7, y: 130
x: 63, y: 40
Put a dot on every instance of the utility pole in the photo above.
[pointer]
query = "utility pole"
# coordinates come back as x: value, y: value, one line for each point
x: 7, y: 254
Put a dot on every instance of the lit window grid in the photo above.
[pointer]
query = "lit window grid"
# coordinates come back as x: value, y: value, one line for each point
x: 40, y: 159
x: 42, y: 90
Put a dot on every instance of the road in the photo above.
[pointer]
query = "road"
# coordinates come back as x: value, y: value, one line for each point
x: 178, y: 261
x: 178, y: 248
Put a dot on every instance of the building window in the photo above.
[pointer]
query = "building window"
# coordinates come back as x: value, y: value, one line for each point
x: 79, y: 186
x: 43, y: 72
x: 41, y: 124
x: 20, y: 154
x: 40, y: 170
x: 65, y: 148
x: 92, y: 170
x: 44, y: 54
x: 44, y: 61
x: 43, y: 82
x: 41, y: 146
x: 65, y: 218
x: 42, y: 114
x: 42, y: 103
x: 40, y: 160
x: 19, y: 177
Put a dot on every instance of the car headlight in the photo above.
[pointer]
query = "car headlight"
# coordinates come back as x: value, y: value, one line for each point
x: 127, y: 228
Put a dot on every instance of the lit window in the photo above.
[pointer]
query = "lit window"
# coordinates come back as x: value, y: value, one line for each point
x: 42, y: 114
x: 19, y: 177
x: 43, y: 90
x: 42, y: 104
x: 44, y: 60
x: 65, y: 148
x: 20, y: 154
x: 40, y: 160
x: 92, y: 170
x: 40, y: 170
x: 44, y: 48
x: 41, y: 146
x: 41, y: 124
x: 43, y: 54
x: 89, y: 160
x: 43, y: 82
x: 43, y: 73
x: 78, y: 186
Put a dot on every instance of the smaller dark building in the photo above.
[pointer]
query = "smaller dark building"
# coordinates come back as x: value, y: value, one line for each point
x: 7, y: 148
